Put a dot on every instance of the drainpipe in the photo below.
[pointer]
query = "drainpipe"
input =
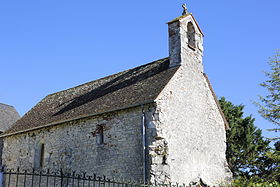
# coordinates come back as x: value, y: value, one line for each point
x: 144, y: 145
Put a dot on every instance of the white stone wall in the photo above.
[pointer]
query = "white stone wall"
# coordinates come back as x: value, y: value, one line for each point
x: 178, y: 42
x: 189, y: 124
x: 193, y: 132
x: 72, y: 146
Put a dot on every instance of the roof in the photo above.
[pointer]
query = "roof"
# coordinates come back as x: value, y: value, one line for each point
x: 8, y: 116
x: 128, y: 88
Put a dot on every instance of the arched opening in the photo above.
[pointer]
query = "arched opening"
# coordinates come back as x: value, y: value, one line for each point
x: 191, y: 35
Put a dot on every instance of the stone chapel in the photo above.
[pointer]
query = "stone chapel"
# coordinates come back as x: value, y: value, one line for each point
x: 159, y: 122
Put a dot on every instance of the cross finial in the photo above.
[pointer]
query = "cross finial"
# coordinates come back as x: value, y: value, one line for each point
x: 185, y: 9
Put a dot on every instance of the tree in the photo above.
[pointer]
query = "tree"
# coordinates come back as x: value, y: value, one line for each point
x: 272, y: 159
x: 269, y: 105
x: 246, y: 147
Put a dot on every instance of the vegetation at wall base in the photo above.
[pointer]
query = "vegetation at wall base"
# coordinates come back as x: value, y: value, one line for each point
x: 251, y: 183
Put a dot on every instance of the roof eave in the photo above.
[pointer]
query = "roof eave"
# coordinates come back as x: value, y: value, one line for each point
x: 76, y: 118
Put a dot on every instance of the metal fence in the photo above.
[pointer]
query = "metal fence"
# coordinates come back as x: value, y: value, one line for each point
x: 48, y: 178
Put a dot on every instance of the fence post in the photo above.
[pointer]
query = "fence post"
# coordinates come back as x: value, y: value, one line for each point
x: 61, y: 175
x: 1, y: 179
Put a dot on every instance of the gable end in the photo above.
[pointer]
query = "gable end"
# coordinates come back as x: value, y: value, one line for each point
x: 227, y: 127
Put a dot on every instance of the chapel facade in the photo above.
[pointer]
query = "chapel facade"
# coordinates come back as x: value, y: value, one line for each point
x: 159, y: 122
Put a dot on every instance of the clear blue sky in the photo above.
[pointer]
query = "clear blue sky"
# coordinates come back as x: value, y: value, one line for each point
x: 48, y: 46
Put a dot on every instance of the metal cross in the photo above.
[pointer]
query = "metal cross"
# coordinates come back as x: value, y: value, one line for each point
x: 185, y: 9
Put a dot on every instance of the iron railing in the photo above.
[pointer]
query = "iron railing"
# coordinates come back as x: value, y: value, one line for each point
x: 48, y: 178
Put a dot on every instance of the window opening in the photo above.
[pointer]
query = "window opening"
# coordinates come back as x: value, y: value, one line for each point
x: 42, y: 154
x: 39, y: 156
x: 99, y: 135
x: 191, y: 35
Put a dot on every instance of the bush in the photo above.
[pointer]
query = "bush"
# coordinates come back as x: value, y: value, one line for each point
x: 251, y: 183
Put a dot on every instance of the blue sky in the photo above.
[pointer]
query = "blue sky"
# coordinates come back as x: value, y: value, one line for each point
x: 48, y: 46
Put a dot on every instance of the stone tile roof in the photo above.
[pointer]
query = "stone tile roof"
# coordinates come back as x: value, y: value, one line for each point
x: 128, y: 88
x: 8, y: 116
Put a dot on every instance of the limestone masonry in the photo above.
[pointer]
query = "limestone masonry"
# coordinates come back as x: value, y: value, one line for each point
x: 159, y: 122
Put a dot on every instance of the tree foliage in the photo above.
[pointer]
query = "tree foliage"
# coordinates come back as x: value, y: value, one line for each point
x: 272, y: 159
x: 269, y: 105
x: 246, y: 148
x: 249, y: 183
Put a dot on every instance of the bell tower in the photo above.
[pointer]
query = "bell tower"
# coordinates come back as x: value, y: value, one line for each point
x: 185, y: 41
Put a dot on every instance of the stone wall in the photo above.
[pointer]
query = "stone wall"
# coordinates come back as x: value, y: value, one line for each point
x: 193, y: 132
x: 72, y: 146
x: 179, y: 41
x: 190, y: 140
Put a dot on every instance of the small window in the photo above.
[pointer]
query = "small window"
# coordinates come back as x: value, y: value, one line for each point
x: 42, y: 155
x: 191, y: 35
x: 99, y: 135
x: 39, y: 156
